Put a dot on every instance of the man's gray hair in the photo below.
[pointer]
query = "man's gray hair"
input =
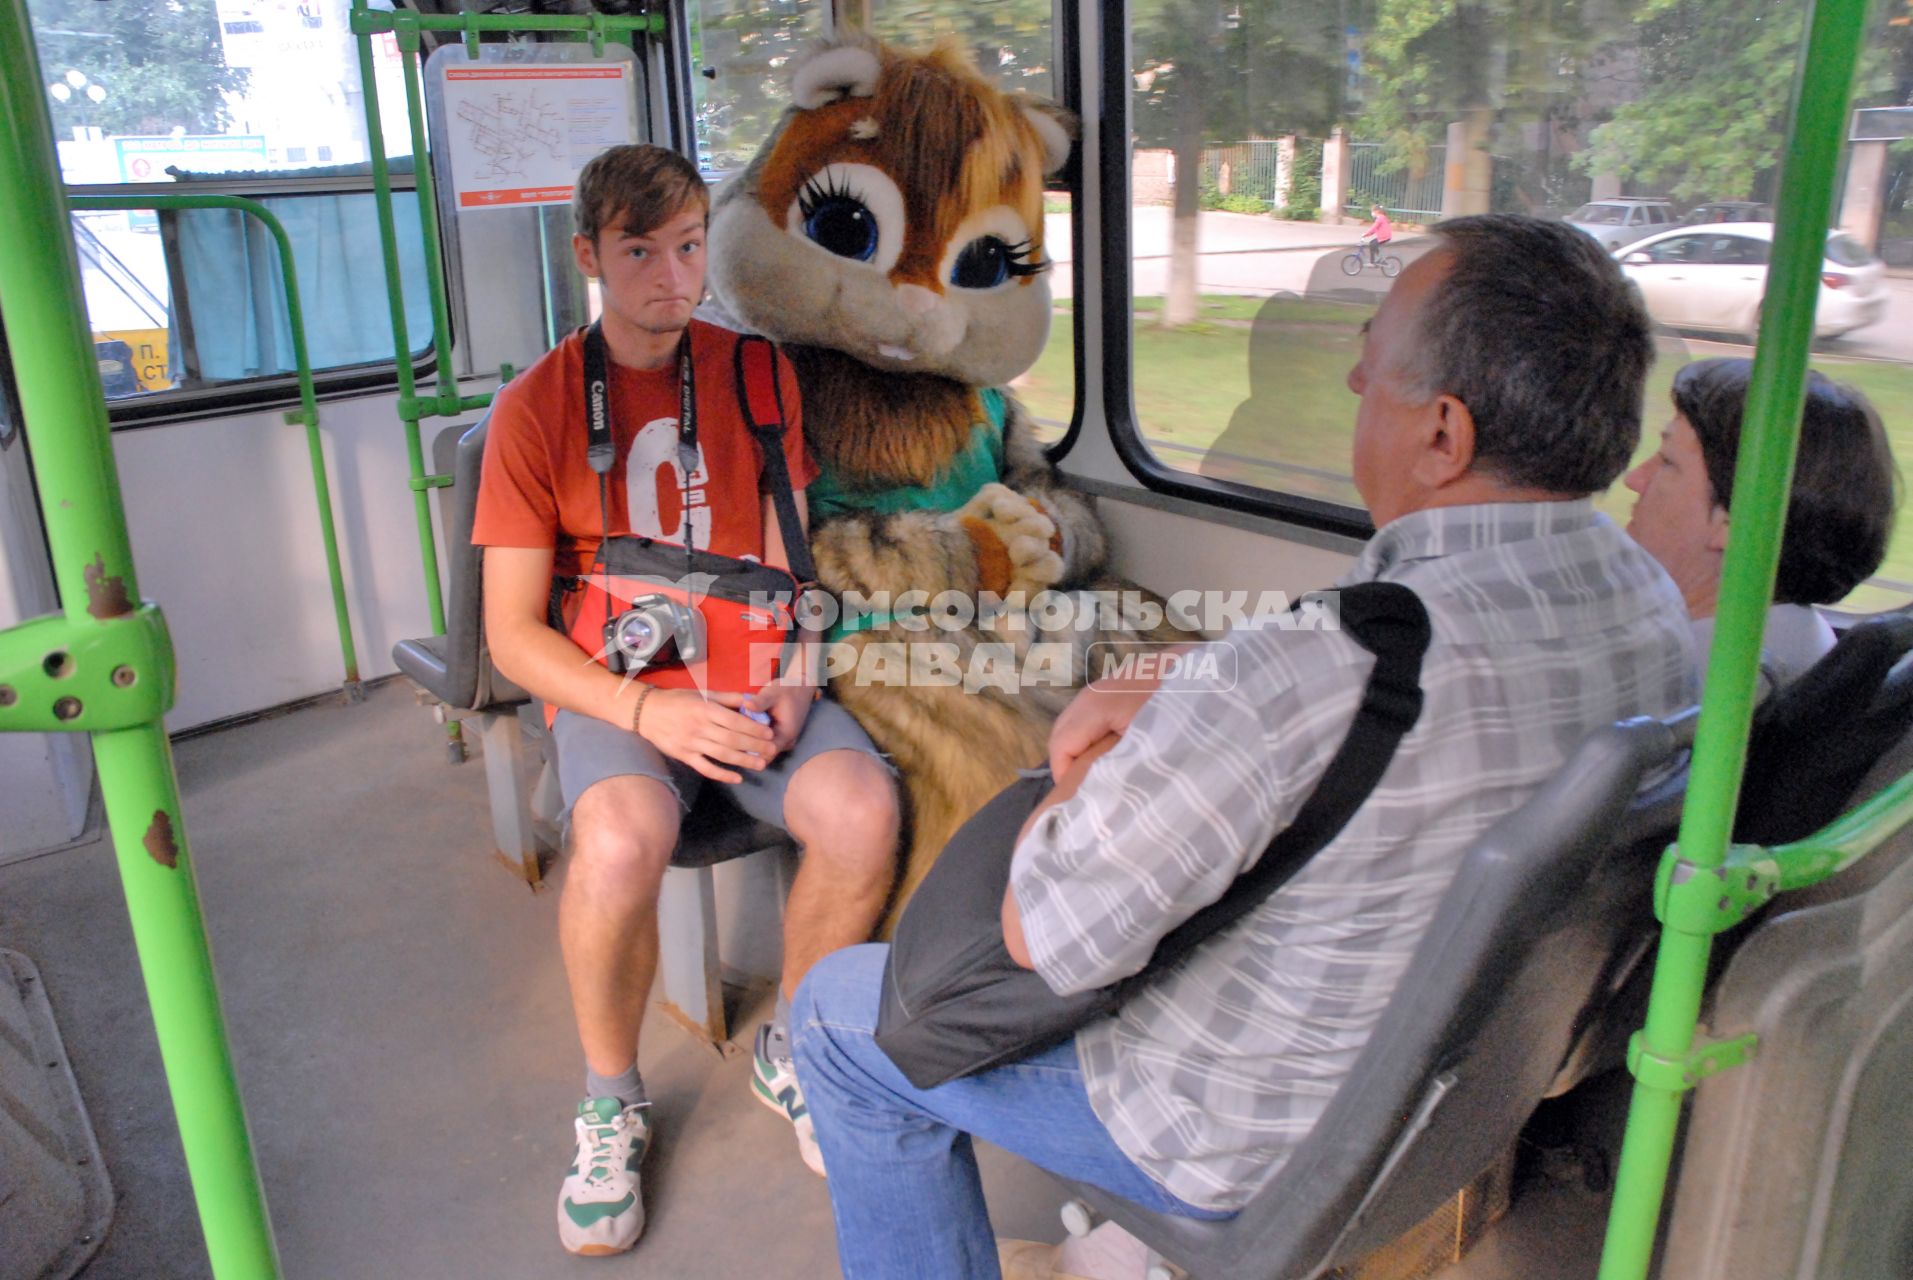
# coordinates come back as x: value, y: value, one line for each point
x: 1536, y: 330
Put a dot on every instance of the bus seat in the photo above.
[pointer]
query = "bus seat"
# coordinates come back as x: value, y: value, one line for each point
x: 455, y: 669
x: 1799, y: 776
x: 1470, y: 1042
x: 1811, y: 745
x: 1793, y: 1162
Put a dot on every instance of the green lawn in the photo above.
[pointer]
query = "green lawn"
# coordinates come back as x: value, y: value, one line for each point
x: 1280, y: 415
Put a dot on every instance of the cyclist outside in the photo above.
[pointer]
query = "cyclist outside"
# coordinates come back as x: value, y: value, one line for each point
x: 1378, y: 233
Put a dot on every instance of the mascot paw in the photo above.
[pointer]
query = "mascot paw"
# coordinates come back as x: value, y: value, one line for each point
x: 1017, y: 544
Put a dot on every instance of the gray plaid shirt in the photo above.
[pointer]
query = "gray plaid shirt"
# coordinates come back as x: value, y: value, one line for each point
x: 1548, y: 623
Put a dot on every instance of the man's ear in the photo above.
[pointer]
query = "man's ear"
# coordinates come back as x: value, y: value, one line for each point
x: 1447, y: 443
x: 587, y: 255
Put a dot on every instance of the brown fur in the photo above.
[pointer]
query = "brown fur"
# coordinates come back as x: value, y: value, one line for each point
x: 879, y: 432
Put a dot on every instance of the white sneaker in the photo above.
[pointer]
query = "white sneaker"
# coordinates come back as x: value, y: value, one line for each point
x: 599, y: 1209
x: 774, y: 1083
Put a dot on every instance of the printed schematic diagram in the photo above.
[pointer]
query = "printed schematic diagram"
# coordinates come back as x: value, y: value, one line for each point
x: 512, y: 131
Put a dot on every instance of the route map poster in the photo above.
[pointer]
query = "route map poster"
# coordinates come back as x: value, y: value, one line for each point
x: 520, y: 134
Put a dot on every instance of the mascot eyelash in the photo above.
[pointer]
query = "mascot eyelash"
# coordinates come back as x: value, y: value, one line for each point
x: 836, y: 216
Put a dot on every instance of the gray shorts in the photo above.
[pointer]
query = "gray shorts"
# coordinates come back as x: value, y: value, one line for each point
x: 589, y: 751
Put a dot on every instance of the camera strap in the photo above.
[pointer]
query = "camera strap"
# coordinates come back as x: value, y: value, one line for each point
x: 760, y: 396
x: 760, y: 393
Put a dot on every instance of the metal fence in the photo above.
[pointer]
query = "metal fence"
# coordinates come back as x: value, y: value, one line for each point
x: 1249, y: 168
x: 1371, y: 181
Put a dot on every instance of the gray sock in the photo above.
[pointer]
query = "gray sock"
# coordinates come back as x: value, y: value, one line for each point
x: 628, y: 1089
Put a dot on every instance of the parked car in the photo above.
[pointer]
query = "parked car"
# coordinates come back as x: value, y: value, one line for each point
x: 1727, y: 211
x: 1714, y: 277
x: 1622, y: 220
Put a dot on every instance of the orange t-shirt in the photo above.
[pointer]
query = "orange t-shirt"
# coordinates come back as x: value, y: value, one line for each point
x: 538, y: 491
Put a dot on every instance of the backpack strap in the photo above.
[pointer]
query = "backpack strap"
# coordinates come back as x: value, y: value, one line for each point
x: 1389, y: 621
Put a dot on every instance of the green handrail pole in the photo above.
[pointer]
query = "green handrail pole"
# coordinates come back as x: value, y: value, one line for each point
x: 395, y: 299
x: 1764, y: 475
x: 86, y: 530
x: 308, y: 392
x: 409, y: 56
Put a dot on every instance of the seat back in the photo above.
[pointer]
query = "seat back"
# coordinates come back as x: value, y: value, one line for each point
x: 1812, y: 744
x: 1793, y: 1163
x: 1516, y: 955
x: 461, y: 455
x: 1799, y: 776
x: 456, y: 667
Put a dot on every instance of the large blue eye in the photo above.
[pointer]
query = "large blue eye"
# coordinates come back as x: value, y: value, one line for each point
x: 838, y: 221
x: 988, y: 261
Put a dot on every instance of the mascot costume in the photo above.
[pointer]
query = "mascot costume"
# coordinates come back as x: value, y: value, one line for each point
x: 890, y: 236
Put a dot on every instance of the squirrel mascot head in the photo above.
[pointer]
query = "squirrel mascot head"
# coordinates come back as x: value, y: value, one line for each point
x: 895, y: 215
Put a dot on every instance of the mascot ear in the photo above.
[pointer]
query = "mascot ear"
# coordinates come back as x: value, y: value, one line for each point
x: 833, y: 73
x: 1056, y: 127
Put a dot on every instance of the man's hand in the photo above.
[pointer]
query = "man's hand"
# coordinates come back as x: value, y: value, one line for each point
x: 788, y: 706
x: 1093, y: 715
x: 707, y: 732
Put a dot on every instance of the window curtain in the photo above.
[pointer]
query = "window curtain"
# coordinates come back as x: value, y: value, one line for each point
x: 235, y: 292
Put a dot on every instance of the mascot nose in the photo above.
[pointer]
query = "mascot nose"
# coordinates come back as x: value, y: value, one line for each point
x: 916, y: 299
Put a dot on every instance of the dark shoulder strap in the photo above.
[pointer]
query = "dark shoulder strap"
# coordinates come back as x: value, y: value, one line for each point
x: 1388, y: 620
x: 760, y: 393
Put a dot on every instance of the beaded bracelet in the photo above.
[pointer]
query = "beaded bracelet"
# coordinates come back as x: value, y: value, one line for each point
x: 637, y: 708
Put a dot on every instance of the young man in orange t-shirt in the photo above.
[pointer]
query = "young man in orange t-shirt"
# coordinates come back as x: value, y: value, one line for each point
x: 631, y: 756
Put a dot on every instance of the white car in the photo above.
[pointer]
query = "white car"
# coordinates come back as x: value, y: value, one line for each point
x: 1713, y: 278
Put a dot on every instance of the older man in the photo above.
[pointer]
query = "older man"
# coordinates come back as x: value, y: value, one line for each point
x: 1500, y: 386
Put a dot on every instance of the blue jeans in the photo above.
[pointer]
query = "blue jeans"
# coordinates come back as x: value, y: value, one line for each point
x: 903, y: 1178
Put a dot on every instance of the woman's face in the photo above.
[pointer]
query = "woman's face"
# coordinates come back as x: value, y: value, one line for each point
x: 1676, y: 517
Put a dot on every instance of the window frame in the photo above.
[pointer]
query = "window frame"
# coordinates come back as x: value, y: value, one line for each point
x: 1114, y: 86
x: 1067, y: 61
x: 271, y: 391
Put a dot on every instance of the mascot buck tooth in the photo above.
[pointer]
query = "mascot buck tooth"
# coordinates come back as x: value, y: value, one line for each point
x: 890, y: 235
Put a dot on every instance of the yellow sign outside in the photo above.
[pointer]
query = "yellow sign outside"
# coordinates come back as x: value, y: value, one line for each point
x: 132, y: 361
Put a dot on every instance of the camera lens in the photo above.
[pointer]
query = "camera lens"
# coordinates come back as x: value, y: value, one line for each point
x: 637, y: 635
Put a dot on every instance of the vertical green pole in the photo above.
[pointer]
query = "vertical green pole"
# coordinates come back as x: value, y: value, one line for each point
x: 409, y: 409
x: 1763, y: 478
x: 409, y: 56
x: 86, y: 529
x: 309, y: 413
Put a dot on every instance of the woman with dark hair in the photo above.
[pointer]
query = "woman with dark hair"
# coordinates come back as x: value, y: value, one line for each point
x: 1845, y: 490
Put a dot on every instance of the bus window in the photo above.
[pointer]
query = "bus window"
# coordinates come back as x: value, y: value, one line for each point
x: 1265, y: 136
x: 1014, y: 44
x: 258, y: 100
x: 740, y: 52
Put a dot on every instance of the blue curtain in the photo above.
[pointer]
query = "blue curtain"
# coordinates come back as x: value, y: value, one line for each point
x: 236, y: 294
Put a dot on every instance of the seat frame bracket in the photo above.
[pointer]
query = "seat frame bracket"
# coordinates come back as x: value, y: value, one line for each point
x: 57, y: 675
x: 1677, y: 1075
x: 1705, y: 901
